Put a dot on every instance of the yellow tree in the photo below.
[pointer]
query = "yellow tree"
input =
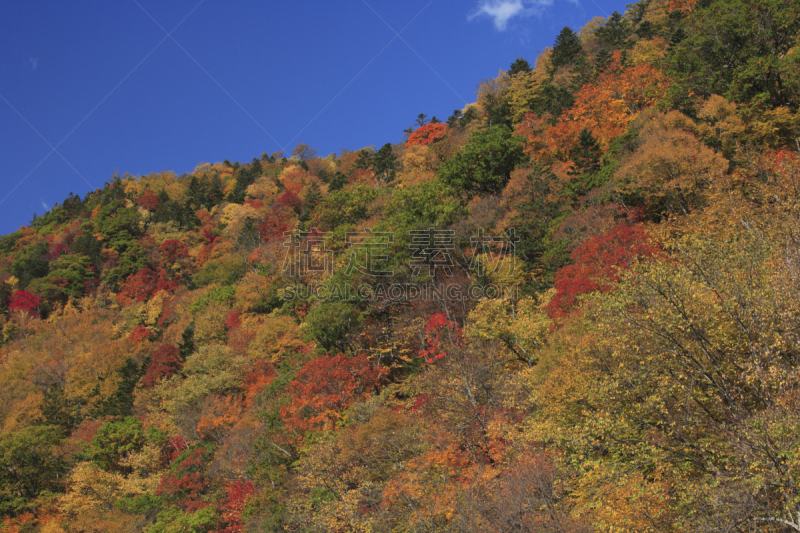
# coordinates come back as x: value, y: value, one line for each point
x: 699, y: 383
x: 671, y: 163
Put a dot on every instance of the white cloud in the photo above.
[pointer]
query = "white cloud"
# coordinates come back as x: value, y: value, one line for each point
x: 502, y: 11
x: 46, y: 207
x: 32, y: 61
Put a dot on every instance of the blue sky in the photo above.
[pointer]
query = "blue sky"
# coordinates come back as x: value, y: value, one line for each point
x: 141, y: 86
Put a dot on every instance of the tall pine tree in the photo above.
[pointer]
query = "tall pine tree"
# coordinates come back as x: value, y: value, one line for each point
x: 586, y: 156
x: 383, y: 164
x: 566, y: 48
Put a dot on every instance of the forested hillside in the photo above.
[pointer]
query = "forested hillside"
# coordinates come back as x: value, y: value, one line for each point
x: 572, y: 306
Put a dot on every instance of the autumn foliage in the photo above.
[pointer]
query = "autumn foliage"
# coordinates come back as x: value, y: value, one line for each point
x: 598, y: 264
x: 238, y: 492
x: 185, y: 484
x: 440, y: 333
x: 427, y: 134
x: 141, y: 286
x: 173, y: 250
x: 290, y: 200
x: 149, y: 201
x: 573, y: 307
x: 326, y: 386
x: 164, y: 362
x: 606, y: 106
x: 274, y: 225
x: 25, y: 303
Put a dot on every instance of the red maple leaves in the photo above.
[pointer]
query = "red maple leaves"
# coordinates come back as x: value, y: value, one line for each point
x: 149, y: 201
x: 141, y: 286
x: 25, y: 303
x: 164, y: 362
x: 597, y: 266
x: 325, y: 387
x: 428, y: 134
x: 440, y: 332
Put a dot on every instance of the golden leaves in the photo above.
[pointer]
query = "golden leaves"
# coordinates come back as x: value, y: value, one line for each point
x: 648, y: 51
x: 521, y: 326
x: 92, y: 488
x: 671, y: 160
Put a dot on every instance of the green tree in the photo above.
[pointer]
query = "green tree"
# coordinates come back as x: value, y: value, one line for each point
x: 429, y: 204
x: 30, y: 464
x: 338, y: 181
x: 485, y: 164
x: 345, y: 206
x: 312, y: 198
x: 120, y: 228
x: 601, y: 60
x: 174, y: 520
x: 364, y: 159
x: 87, y: 245
x: 519, y: 66
x: 73, y: 270
x: 497, y: 110
x: 5, y: 298
x: 566, y: 48
x: 614, y: 31
x: 469, y: 115
x: 330, y: 323
x: 245, y: 177
x: 645, y: 30
x: 59, y: 410
x: 187, y: 345
x: 383, y: 164
x: 743, y: 50
x: 120, y: 403
x: 551, y: 99
x: 30, y: 263
x: 454, y: 119
x: 586, y: 156
x: 538, y: 208
x: 118, y: 225
x: 114, y: 442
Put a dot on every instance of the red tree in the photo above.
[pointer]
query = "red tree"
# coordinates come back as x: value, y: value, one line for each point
x: 238, y: 492
x: 173, y: 250
x: 141, y: 286
x: 233, y: 321
x: 149, y: 201
x: 290, y: 200
x: 439, y: 333
x: 140, y: 333
x: 274, y: 225
x: 428, y: 134
x: 255, y: 203
x: 325, y: 387
x: 186, y: 483
x: 138, y: 287
x: 26, y: 303
x: 164, y: 362
x: 597, y: 266
x: 261, y: 374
